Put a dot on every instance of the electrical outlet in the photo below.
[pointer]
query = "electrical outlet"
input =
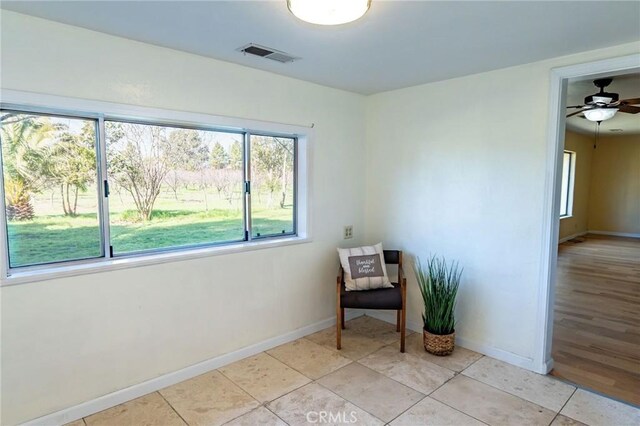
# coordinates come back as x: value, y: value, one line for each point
x: 348, y: 232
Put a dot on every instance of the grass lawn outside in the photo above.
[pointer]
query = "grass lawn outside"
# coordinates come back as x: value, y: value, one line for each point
x: 190, y: 217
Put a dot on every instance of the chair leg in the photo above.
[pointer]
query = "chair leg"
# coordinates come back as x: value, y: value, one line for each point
x: 339, y: 328
x: 403, y: 329
x: 398, y: 320
x: 342, y: 318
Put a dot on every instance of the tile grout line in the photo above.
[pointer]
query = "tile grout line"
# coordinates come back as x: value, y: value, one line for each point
x: 264, y: 404
x: 251, y: 411
x: 350, y: 402
x: 298, y: 371
x: 297, y: 388
x: 241, y: 388
x: 518, y: 396
x: 408, y: 408
x: 276, y: 414
x: 594, y: 391
x: 456, y: 374
x: 455, y: 409
x: 288, y: 366
x: 472, y: 364
x: 356, y: 361
x: 564, y: 405
x: 312, y: 381
x: 172, y: 407
x: 403, y: 384
x: 510, y: 394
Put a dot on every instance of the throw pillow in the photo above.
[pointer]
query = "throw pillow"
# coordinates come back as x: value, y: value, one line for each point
x: 364, y: 268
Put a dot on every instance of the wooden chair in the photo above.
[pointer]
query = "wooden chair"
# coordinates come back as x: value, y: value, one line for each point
x: 384, y: 298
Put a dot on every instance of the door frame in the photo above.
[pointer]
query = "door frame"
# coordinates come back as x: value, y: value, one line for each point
x: 559, y: 79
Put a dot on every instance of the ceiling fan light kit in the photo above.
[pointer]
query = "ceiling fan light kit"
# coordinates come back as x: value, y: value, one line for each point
x: 328, y: 12
x: 600, y: 114
x: 603, y: 106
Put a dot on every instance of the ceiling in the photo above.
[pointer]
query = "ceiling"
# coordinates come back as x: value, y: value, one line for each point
x: 396, y: 44
x: 627, y: 86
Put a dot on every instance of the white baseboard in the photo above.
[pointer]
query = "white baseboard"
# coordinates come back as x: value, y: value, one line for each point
x: 571, y: 237
x: 616, y: 234
x: 502, y: 355
x: 613, y: 234
x: 135, y: 391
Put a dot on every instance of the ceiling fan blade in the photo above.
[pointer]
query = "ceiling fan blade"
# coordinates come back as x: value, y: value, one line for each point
x: 576, y: 106
x: 632, y: 101
x: 574, y: 113
x: 628, y: 109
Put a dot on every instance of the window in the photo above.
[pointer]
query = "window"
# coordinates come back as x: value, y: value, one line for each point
x: 78, y: 188
x: 566, y: 194
x: 273, y: 189
x: 173, y: 187
x: 50, y: 182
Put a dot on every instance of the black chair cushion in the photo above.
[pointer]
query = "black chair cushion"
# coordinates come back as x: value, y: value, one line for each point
x: 381, y: 298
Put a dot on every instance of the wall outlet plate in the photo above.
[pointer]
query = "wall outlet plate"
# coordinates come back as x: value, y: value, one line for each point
x: 348, y: 232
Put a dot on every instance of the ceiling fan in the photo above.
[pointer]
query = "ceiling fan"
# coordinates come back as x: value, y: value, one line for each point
x: 603, y: 106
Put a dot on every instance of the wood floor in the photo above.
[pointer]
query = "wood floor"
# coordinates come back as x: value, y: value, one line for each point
x: 596, y: 336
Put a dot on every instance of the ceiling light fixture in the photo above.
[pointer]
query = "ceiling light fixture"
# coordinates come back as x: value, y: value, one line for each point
x: 328, y: 12
x: 600, y: 114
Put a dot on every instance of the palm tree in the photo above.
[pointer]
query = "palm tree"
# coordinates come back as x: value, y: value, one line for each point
x: 22, y: 138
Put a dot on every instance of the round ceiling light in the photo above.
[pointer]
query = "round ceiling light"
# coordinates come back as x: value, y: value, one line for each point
x: 328, y: 12
x: 600, y: 114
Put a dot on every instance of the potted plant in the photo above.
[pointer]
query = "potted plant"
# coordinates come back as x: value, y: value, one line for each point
x: 439, y: 287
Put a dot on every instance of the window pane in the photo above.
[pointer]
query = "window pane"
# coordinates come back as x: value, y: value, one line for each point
x: 272, y: 185
x: 173, y: 187
x: 564, y: 194
x: 50, y: 186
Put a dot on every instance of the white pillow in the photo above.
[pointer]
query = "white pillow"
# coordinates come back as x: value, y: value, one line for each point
x: 364, y: 268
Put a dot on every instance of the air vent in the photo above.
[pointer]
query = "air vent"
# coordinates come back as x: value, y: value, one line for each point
x: 267, y: 52
x: 615, y: 130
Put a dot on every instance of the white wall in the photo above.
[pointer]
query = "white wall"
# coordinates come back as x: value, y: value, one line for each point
x: 69, y: 340
x: 614, y: 199
x: 457, y: 168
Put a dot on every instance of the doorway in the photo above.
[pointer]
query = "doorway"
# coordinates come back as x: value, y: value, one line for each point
x: 573, y: 269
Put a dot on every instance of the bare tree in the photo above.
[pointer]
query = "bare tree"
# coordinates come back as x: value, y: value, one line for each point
x: 186, y: 151
x: 138, y: 163
x: 272, y: 157
x: 173, y: 181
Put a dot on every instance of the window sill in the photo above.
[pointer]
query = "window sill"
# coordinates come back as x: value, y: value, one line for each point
x: 103, y: 265
x: 566, y: 217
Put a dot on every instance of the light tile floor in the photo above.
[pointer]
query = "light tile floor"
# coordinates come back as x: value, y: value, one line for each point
x: 369, y: 382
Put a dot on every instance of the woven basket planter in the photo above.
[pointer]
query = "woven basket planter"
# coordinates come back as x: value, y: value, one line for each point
x: 440, y: 345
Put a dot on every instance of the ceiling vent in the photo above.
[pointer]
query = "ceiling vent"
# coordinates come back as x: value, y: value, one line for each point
x: 267, y: 52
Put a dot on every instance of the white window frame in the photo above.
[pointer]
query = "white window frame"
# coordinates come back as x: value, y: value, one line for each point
x: 570, y: 185
x: 25, y: 101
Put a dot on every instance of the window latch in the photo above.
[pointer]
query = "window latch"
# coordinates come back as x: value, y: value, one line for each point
x: 247, y: 187
x: 106, y: 188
